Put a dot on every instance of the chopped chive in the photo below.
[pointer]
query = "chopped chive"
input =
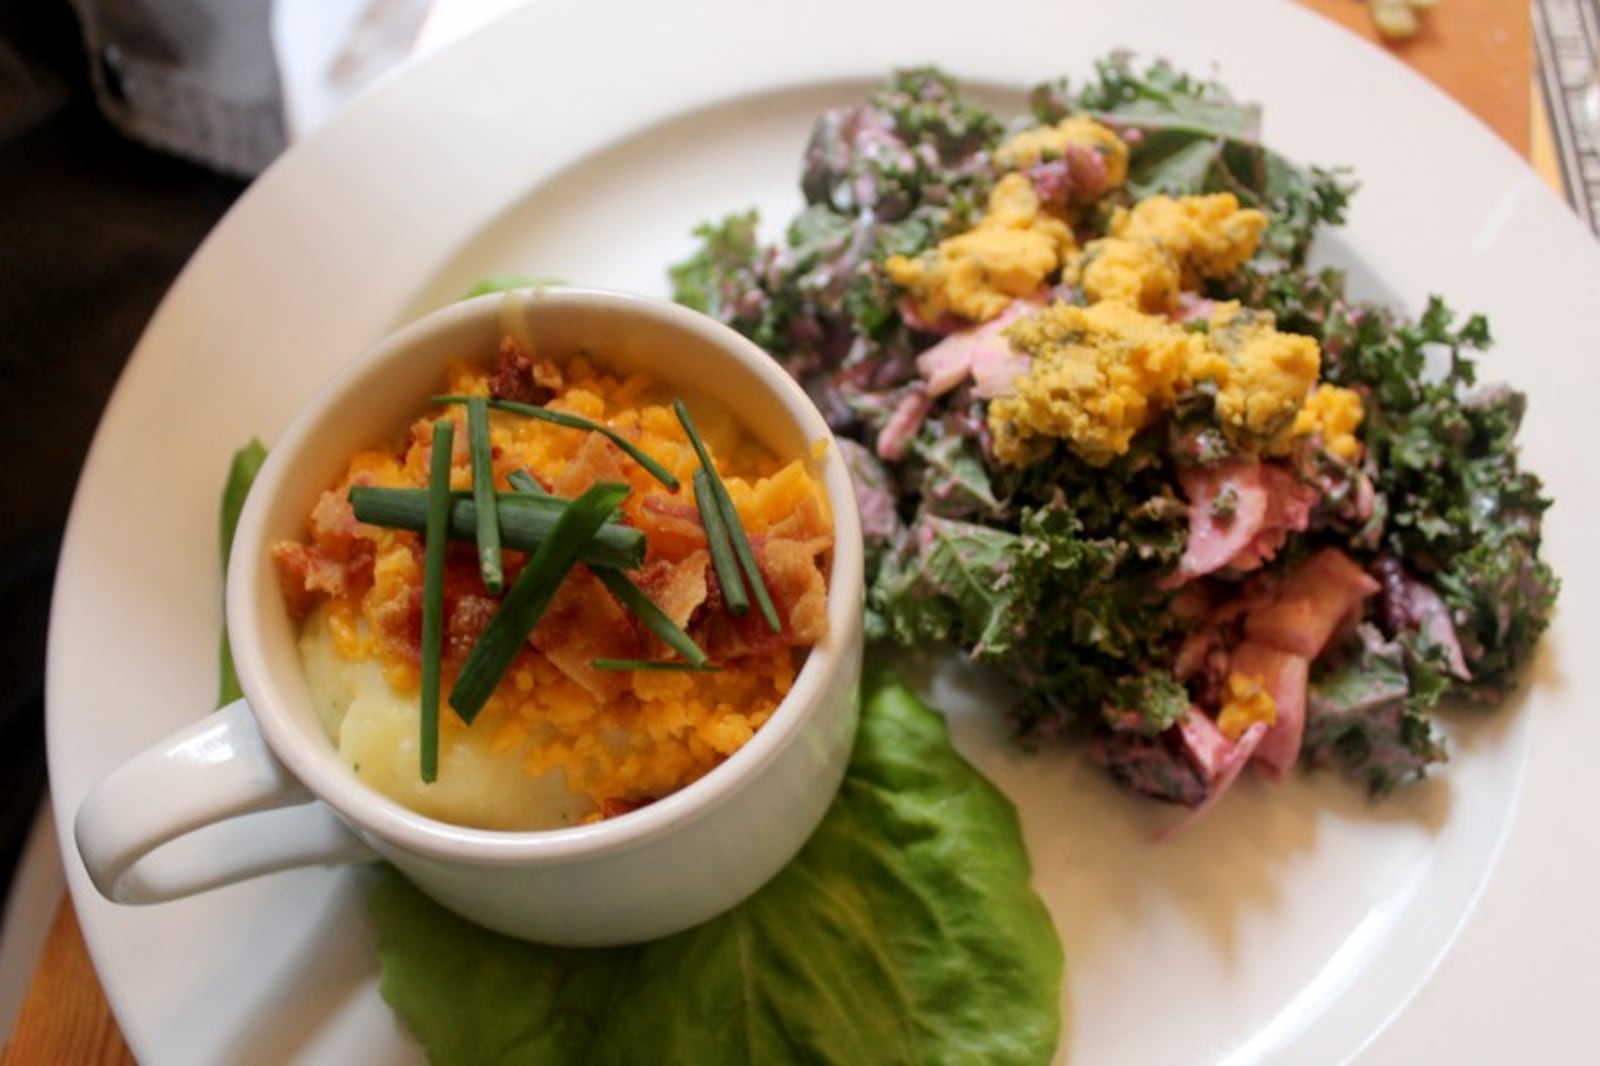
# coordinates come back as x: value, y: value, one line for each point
x: 433, y: 540
x: 730, y: 522
x: 746, y: 555
x: 722, y: 557
x: 677, y: 666
x: 523, y: 481
x: 488, y: 515
x: 634, y: 599
x: 572, y: 421
x: 526, y: 521
x: 522, y: 607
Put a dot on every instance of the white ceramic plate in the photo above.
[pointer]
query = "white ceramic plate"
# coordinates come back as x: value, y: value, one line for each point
x: 1298, y: 923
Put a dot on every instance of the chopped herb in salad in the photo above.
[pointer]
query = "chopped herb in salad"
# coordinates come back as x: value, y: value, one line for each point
x: 1113, y: 435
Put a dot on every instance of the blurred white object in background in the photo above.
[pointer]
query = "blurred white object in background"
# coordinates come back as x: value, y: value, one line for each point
x: 330, y: 50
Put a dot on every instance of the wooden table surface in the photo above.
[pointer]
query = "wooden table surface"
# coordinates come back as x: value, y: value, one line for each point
x: 1479, y: 51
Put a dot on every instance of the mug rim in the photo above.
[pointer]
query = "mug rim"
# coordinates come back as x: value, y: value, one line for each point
x: 369, y: 811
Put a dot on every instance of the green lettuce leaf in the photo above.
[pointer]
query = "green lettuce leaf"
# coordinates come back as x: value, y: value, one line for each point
x: 904, y: 931
x: 242, y: 473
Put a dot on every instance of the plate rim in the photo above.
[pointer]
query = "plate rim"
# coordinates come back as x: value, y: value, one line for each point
x: 319, y: 158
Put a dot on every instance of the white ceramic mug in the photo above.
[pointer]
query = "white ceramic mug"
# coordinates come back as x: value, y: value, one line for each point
x: 665, y: 867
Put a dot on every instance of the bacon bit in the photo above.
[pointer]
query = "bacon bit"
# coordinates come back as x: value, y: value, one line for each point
x: 467, y: 606
x: 336, y: 563
x: 678, y: 588
x: 799, y: 592
x: 797, y: 586
x: 597, y: 460
x: 805, y: 522
x: 1078, y: 177
x: 671, y: 527
x: 1283, y: 675
x: 615, y: 806
x: 730, y: 636
x: 585, y: 622
x: 466, y: 616
x: 995, y: 370
x: 523, y: 379
x: 1309, y: 606
x: 333, y: 522
x: 307, y: 575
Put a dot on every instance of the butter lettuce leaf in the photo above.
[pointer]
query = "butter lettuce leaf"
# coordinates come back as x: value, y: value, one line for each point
x: 904, y: 931
x: 242, y: 471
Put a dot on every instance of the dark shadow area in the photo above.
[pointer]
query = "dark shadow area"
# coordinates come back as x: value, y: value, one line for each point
x: 93, y: 229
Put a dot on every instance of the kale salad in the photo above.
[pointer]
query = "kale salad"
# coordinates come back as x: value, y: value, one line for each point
x: 1113, y: 435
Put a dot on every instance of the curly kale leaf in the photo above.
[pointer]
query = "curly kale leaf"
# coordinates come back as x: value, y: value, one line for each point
x: 1193, y: 137
x: 1155, y: 699
x: 917, y: 139
x: 954, y: 480
x: 1132, y: 499
x: 928, y: 107
x: 724, y: 277
x: 1501, y: 596
x: 890, y: 175
x: 956, y: 584
x: 1074, y: 618
x: 1460, y: 509
x: 1096, y: 620
x: 1362, y: 717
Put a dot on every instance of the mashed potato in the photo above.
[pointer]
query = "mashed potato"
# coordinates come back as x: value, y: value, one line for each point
x: 559, y: 741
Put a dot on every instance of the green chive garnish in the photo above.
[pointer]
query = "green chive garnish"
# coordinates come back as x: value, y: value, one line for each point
x: 648, y: 664
x: 730, y: 521
x: 523, y: 481
x: 483, y: 495
x: 526, y: 521
x: 722, y: 557
x: 433, y: 541
x: 634, y: 599
x: 572, y: 421
x: 522, y: 607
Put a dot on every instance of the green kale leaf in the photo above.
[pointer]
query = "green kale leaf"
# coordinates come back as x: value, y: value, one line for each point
x: 956, y: 585
x: 1193, y: 138
x: 1460, y: 510
x: 1360, y: 717
x: 724, y: 277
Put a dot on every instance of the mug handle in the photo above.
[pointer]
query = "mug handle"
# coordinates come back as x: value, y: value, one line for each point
x: 215, y: 771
